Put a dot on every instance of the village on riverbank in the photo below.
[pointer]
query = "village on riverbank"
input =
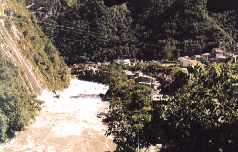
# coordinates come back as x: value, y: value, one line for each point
x: 96, y: 71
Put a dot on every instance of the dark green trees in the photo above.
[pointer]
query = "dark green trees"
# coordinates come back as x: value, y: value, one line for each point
x: 147, y: 29
x: 202, y: 115
x: 96, y: 32
x: 168, y: 29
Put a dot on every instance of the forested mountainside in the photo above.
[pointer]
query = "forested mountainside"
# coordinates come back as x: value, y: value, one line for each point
x: 29, y: 63
x: 97, y: 30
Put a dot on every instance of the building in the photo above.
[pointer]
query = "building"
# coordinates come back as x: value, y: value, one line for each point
x: 234, y: 58
x: 219, y: 51
x: 156, y: 85
x: 205, y: 56
x: 197, y: 57
x: 123, y: 61
x: 187, y: 62
x: 185, y: 71
x: 145, y: 80
x: 221, y: 57
x: 106, y: 63
x: 130, y: 74
x: 157, y: 97
x: 138, y: 74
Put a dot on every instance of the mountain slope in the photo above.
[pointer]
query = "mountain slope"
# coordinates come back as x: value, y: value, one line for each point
x: 22, y: 39
x: 29, y: 63
x: 108, y: 29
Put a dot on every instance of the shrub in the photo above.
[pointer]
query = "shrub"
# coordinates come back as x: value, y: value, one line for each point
x: 3, y: 127
x: 17, y: 106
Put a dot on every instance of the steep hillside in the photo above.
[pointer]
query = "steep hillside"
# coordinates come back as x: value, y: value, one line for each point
x: 87, y: 30
x: 29, y: 63
x: 147, y: 29
x: 23, y: 40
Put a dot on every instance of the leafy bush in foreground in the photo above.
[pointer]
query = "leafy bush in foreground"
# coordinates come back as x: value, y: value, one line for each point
x: 17, y: 107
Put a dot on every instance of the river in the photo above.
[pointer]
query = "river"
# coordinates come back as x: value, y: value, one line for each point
x: 67, y: 122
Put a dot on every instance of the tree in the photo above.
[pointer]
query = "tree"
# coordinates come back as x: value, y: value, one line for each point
x: 95, y: 31
x: 202, y: 115
x: 130, y: 111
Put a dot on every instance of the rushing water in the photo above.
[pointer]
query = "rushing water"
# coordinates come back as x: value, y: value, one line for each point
x: 67, y: 123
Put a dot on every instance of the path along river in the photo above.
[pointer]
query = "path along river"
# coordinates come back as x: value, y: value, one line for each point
x: 67, y: 123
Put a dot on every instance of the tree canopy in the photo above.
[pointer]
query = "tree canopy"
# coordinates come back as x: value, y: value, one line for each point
x: 145, y: 29
x: 199, y: 116
x: 203, y: 113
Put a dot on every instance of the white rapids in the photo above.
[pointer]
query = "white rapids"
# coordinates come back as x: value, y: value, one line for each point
x: 66, y: 123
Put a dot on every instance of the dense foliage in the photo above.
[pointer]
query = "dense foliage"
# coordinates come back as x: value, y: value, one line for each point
x: 203, y: 113
x: 17, y: 107
x: 169, y: 29
x: 200, y: 116
x: 147, y: 29
x: 93, y: 31
x: 200, y: 113
x: 130, y: 111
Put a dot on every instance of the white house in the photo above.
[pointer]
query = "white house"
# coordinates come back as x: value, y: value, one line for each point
x: 186, y: 62
x: 123, y: 61
x: 206, y: 56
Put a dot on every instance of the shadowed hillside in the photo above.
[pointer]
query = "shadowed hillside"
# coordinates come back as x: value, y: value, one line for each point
x: 147, y: 29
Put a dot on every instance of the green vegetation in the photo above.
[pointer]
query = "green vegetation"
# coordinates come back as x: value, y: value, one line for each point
x: 72, y: 3
x: 168, y: 29
x: 130, y: 111
x: 200, y: 112
x: 90, y: 31
x: 145, y: 29
x: 47, y: 63
x: 17, y: 106
x: 92, y: 27
x: 199, y: 116
x: 202, y: 115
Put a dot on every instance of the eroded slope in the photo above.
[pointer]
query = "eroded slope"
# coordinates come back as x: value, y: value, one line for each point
x: 26, y: 46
